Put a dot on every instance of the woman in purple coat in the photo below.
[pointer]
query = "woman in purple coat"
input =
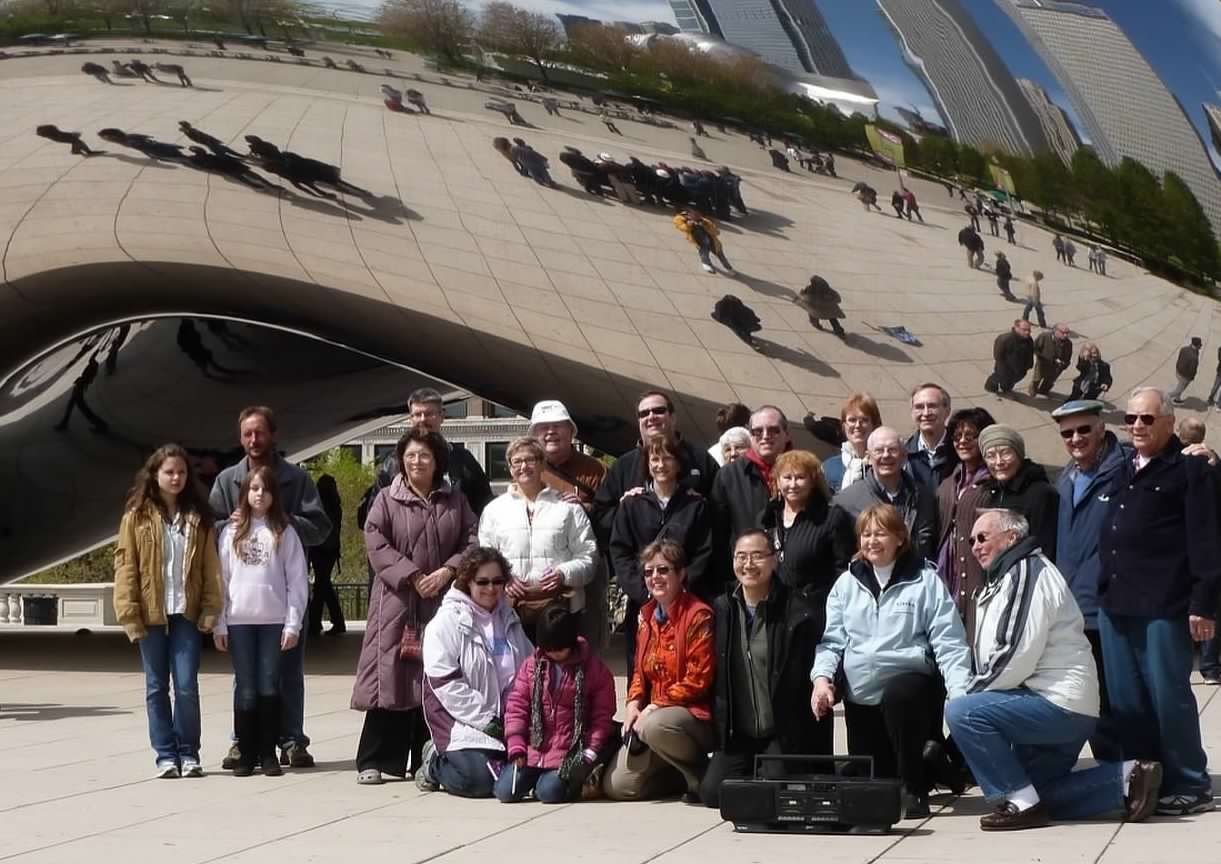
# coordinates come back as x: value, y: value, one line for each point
x: 417, y: 530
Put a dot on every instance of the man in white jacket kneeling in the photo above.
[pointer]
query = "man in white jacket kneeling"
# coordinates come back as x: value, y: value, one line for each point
x: 1033, y: 701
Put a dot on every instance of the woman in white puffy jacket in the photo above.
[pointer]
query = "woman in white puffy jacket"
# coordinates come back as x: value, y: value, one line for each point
x: 547, y: 540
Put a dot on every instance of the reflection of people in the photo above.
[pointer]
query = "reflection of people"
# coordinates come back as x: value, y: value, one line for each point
x: 98, y: 72
x: 667, y: 725
x: 175, y: 69
x: 821, y: 301
x: 893, y: 633
x: 702, y: 232
x: 472, y: 652
x: 192, y: 345
x: 1033, y: 701
x: 54, y: 133
x: 165, y: 608
x: 77, y: 399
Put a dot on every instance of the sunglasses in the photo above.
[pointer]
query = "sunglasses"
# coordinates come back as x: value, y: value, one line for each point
x: 656, y: 411
x: 1145, y: 419
x: 484, y: 583
x: 659, y: 570
x: 760, y: 431
x: 1067, y: 434
x: 980, y: 538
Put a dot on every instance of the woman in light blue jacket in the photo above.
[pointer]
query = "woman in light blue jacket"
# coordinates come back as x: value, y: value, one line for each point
x: 893, y: 646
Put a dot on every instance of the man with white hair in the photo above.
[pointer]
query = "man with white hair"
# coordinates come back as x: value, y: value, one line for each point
x: 885, y: 482
x: 1033, y: 701
x: 1161, y: 565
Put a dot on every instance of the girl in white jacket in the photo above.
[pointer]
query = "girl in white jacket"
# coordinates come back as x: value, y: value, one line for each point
x: 263, y: 568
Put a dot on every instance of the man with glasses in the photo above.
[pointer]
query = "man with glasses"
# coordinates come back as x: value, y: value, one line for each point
x: 426, y: 408
x: 1094, y: 473
x: 629, y: 475
x: 886, y: 483
x: 930, y: 453
x: 1161, y: 565
x: 766, y: 637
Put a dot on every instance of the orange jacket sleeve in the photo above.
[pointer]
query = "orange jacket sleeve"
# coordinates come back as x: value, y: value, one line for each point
x: 696, y: 683
x: 638, y: 688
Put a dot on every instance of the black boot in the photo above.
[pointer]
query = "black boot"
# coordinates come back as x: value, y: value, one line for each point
x: 247, y: 722
x: 269, y: 735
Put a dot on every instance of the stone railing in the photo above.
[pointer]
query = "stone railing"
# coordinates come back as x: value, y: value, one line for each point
x: 62, y: 607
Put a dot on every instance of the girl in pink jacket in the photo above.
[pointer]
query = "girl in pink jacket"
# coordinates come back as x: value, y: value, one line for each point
x: 558, y: 714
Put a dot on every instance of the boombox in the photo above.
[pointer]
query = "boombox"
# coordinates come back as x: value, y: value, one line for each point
x: 785, y: 796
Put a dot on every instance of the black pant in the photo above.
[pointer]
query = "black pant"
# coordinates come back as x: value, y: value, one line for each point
x: 894, y: 732
x: 324, y: 592
x: 389, y: 738
x: 631, y: 619
x: 1104, y: 743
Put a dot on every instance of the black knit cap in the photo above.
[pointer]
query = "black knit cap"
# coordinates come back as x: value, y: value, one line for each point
x: 557, y: 629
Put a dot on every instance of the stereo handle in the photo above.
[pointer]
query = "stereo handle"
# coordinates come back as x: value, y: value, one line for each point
x: 781, y: 759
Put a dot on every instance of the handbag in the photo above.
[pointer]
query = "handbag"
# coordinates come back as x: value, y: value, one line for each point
x: 529, y: 609
x: 411, y: 643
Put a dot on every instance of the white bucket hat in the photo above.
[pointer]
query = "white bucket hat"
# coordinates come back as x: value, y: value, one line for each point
x: 550, y: 411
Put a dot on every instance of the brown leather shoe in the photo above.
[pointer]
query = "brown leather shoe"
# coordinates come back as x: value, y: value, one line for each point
x: 1007, y: 817
x: 1141, y: 800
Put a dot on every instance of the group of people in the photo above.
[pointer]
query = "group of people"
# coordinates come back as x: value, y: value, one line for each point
x: 136, y: 69
x: 757, y: 580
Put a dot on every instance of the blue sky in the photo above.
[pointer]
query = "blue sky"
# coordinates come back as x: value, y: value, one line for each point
x: 1180, y: 38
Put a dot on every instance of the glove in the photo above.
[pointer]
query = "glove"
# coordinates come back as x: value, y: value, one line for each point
x: 495, y: 729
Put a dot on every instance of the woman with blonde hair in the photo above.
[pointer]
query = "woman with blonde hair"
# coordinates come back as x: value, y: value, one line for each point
x: 795, y: 521
x: 894, y: 639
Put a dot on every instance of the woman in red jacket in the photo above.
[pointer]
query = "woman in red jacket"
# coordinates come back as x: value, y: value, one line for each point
x: 558, y: 714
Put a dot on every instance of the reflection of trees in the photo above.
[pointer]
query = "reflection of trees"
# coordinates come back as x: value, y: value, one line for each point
x: 441, y: 26
x: 514, y: 30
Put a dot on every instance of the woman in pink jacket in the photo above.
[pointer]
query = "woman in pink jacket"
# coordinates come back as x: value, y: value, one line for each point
x: 558, y: 715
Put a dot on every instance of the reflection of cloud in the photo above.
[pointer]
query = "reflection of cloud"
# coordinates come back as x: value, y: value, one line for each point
x: 1206, y: 15
x: 605, y: 10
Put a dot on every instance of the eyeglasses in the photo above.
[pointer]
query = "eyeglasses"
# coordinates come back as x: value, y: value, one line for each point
x: 1145, y: 419
x: 966, y: 435
x: 656, y: 411
x: 980, y: 538
x: 760, y: 431
x: 752, y: 557
x: 885, y: 451
x: 523, y: 461
x: 1082, y: 431
x: 659, y: 570
x: 484, y: 583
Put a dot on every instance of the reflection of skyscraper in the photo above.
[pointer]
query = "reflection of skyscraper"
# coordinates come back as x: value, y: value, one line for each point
x: 791, y: 34
x: 1213, y: 113
x: 1057, y: 128
x: 976, y: 94
x: 694, y: 16
x: 1125, y: 107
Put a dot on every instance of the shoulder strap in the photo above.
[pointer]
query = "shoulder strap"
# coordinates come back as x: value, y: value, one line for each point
x: 584, y: 487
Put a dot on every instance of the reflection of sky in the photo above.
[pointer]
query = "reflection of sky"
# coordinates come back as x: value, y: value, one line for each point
x: 1181, y: 39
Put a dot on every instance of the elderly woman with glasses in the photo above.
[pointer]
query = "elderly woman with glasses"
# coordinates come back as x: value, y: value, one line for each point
x: 547, y: 540
x: 858, y: 418
x: 958, y: 498
x: 472, y: 651
x: 667, y: 725
x: 892, y: 648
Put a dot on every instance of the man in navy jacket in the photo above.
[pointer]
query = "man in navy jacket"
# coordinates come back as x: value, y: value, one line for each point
x: 1161, y: 562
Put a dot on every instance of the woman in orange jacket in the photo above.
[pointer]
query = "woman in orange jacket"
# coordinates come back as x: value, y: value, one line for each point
x: 703, y: 232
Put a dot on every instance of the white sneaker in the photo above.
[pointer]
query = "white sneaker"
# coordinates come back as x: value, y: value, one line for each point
x: 708, y: 268
x: 168, y: 771
x: 191, y: 768
x: 729, y: 271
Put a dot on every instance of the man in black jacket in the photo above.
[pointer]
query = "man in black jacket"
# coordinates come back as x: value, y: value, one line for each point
x: 426, y: 408
x: 1161, y: 565
x: 766, y: 635
x: 1013, y: 356
x: 930, y: 452
x: 655, y: 417
x: 1185, y: 368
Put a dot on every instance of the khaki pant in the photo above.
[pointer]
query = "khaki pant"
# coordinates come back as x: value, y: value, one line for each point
x: 678, y: 747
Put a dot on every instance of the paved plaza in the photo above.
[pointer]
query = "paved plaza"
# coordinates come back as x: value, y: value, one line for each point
x: 592, y: 296
x: 77, y: 767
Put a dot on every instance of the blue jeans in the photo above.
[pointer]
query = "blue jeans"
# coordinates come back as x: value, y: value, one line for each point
x: 255, y: 649
x: 292, y: 695
x: 1016, y: 738
x: 467, y: 773
x: 1038, y: 308
x: 164, y: 651
x: 1148, y: 667
x: 546, y: 784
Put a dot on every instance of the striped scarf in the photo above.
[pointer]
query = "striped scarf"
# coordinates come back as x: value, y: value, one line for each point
x: 572, y: 759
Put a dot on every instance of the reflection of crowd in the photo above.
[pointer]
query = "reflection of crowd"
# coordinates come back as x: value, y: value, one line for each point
x: 933, y: 582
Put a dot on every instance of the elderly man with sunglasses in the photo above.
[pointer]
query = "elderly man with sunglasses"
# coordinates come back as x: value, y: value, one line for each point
x: 1157, y: 591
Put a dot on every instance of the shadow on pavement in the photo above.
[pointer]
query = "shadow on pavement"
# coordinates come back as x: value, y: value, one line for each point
x: 801, y: 359
x: 54, y: 711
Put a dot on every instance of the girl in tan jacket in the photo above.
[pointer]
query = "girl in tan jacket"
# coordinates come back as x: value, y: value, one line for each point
x: 166, y: 593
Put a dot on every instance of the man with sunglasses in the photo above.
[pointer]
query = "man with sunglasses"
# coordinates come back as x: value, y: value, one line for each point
x: 1094, y: 473
x: 743, y: 488
x: 655, y: 419
x: 1161, y: 565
